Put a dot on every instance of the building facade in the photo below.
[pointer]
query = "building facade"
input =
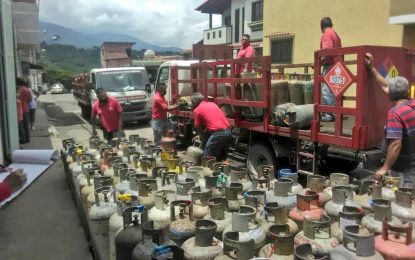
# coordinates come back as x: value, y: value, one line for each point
x: 116, y: 54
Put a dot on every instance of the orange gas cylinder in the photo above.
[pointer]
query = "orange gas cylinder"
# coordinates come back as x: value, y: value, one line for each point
x: 307, y: 206
x: 316, y: 183
x: 393, y: 245
x: 168, y: 142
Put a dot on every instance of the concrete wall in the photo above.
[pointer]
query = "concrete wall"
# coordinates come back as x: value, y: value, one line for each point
x: 357, y: 22
x: 248, y: 15
x: 225, y: 32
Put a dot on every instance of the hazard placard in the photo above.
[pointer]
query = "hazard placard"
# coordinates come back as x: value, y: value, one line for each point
x: 338, y: 78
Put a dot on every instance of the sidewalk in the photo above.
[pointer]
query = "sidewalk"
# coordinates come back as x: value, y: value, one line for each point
x: 43, y: 223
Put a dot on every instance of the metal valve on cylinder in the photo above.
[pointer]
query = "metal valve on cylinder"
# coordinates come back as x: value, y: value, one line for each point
x: 277, y: 214
x: 282, y: 242
x: 101, y: 212
x: 307, y: 206
x: 160, y: 213
x: 234, y: 248
x: 282, y: 193
x: 305, y: 252
x: 200, y: 200
x: 184, y: 188
x: 219, y: 213
x: 382, y: 210
x: 349, y: 215
x: 182, y: 225
x: 395, y: 241
x: 233, y: 194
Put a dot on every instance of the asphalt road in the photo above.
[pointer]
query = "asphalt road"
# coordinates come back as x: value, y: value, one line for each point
x: 64, y: 117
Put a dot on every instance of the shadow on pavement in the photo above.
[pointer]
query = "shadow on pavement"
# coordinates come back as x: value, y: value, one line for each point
x: 59, y: 117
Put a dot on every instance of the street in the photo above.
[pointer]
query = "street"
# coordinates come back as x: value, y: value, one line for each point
x: 65, y: 121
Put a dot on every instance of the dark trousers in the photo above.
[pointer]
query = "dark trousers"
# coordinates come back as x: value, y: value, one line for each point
x: 26, y: 127
x: 218, y: 144
x: 32, y: 117
x: 22, y: 137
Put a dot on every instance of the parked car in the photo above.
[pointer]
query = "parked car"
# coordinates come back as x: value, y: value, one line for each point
x: 57, y: 88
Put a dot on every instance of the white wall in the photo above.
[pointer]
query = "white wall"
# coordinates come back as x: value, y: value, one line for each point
x: 226, y: 34
x: 235, y: 4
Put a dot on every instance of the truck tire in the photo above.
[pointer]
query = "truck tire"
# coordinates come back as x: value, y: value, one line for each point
x: 260, y: 154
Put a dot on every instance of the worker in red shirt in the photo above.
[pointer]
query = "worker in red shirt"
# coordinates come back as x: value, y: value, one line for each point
x: 246, y: 51
x: 108, y: 109
x: 210, y: 119
x: 329, y: 40
x: 160, y: 122
x: 25, y: 97
x: 12, y: 183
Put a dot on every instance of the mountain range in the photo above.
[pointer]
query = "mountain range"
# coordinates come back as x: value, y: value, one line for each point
x: 56, y: 34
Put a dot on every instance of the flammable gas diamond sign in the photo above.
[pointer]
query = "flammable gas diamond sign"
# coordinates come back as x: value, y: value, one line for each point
x: 338, y: 78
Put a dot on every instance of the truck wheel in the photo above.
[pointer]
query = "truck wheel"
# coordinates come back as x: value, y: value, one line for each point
x: 260, y: 154
x: 334, y: 164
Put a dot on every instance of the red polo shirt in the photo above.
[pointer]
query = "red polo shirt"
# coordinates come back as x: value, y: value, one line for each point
x: 247, y: 52
x: 210, y: 116
x: 330, y: 39
x: 25, y: 97
x: 159, y: 108
x: 108, y: 113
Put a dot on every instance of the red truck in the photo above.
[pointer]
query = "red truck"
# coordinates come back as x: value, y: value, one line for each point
x: 360, y: 112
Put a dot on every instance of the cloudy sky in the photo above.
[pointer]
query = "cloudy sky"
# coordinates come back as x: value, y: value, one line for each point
x: 162, y: 22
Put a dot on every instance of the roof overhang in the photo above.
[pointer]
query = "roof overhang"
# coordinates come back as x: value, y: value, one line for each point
x: 214, y: 6
x: 401, y: 12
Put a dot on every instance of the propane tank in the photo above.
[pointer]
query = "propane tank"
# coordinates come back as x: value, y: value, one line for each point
x: 219, y: 213
x: 156, y: 152
x: 78, y: 169
x: 305, y: 252
x: 201, y: 246
x: 368, y: 191
x: 317, y: 233
x: 108, y: 169
x: 146, y: 189
x: 131, y: 234
x: 233, y: 194
x: 168, y: 181
x: 263, y: 179
x: 147, y: 164
x: 234, y: 247
x: 116, y: 168
x: 293, y: 175
x: 100, y: 213
x: 99, y: 181
x: 241, y: 176
x: 194, y: 154
x: 256, y: 199
x: 196, y: 173
x: 124, y: 183
x: 94, y: 143
x: 244, y: 222
x: 282, y: 245
x: 337, y: 179
x: 348, y: 216
x: 404, y: 206
x: 153, y: 238
x: 316, y: 183
x: 173, y: 164
x: 395, y: 242
x: 80, y: 179
x: 133, y: 179
x: 200, y: 202
x: 381, y: 210
x: 160, y: 213
x: 168, y: 142
x: 213, y: 183
x: 88, y: 188
x: 357, y: 244
x: 282, y: 193
x: 341, y: 196
x: 207, y: 164
x: 390, y: 185
x: 167, y: 253
x: 116, y: 221
x: 184, y: 189
x: 182, y: 225
x: 307, y: 206
x: 276, y: 214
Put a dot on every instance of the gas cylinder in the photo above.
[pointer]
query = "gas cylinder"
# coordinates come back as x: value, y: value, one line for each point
x: 282, y: 193
x: 146, y: 189
x: 100, y: 213
x: 368, y: 191
x: 276, y: 214
x: 201, y: 246
x: 182, y: 225
x: 200, y: 202
x: 133, y: 180
x: 219, y: 213
x: 168, y: 253
x: 211, y: 182
x: 173, y: 164
x: 131, y: 234
x: 222, y: 167
x: 337, y: 179
x: 94, y: 143
x: 234, y: 247
x: 116, y: 168
x: 381, y: 210
x: 116, y: 221
x: 88, y: 188
x: 168, y: 141
x: 108, y: 169
x: 153, y: 237
x: 207, y: 164
x: 390, y: 185
x: 160, y: 213
x: 241, y: 176
x: 78, y: 169
x: 147, y: 164
x: 168, y: 181
x: 293, y: 175
x: 404, y: 206
x: 244, y: 222
x: 80, y: 180
x: 305, y: 252
x: 282, y: 243
x: 256, y: 199
x: 194, y: 154
x: 317, y: 233
x: 307, y: 206
x: 316, y: 183
x: 196, y: 173
x: 156, y: 153
x: 233, y: 194
x: 348, y: 216
x: 183, y: 189
x: 395, y: 242
x: 99, y: 181
x: 124, y: 183
x: 74, y: 151
x: 357, y: 244
x: 341, y: 196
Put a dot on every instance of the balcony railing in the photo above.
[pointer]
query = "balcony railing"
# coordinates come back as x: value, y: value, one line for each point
x: 218, y: 35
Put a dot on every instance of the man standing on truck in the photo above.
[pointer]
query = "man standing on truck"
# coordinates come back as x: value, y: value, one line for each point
x: 209, y: 116
x: 399, y: 129
x: 246, y: 51
x: 108, y: 109
x: 160, y: 122
x: 329, y: 40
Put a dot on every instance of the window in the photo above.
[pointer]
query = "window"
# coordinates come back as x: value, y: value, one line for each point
x: 208, y: 36
x: 282, y: 50
x: 237, y: 25
x: 220, y: 34
x: 257, y: 11
x: 213, y: 35
x: 227, y: 21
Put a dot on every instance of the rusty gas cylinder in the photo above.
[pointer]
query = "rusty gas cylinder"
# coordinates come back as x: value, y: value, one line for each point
x: 276, y: 214
x: 168, y: 142
x: 395, y: 242
x: 282, y: 243
x: 307, y: 206
x: 182, y: 225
